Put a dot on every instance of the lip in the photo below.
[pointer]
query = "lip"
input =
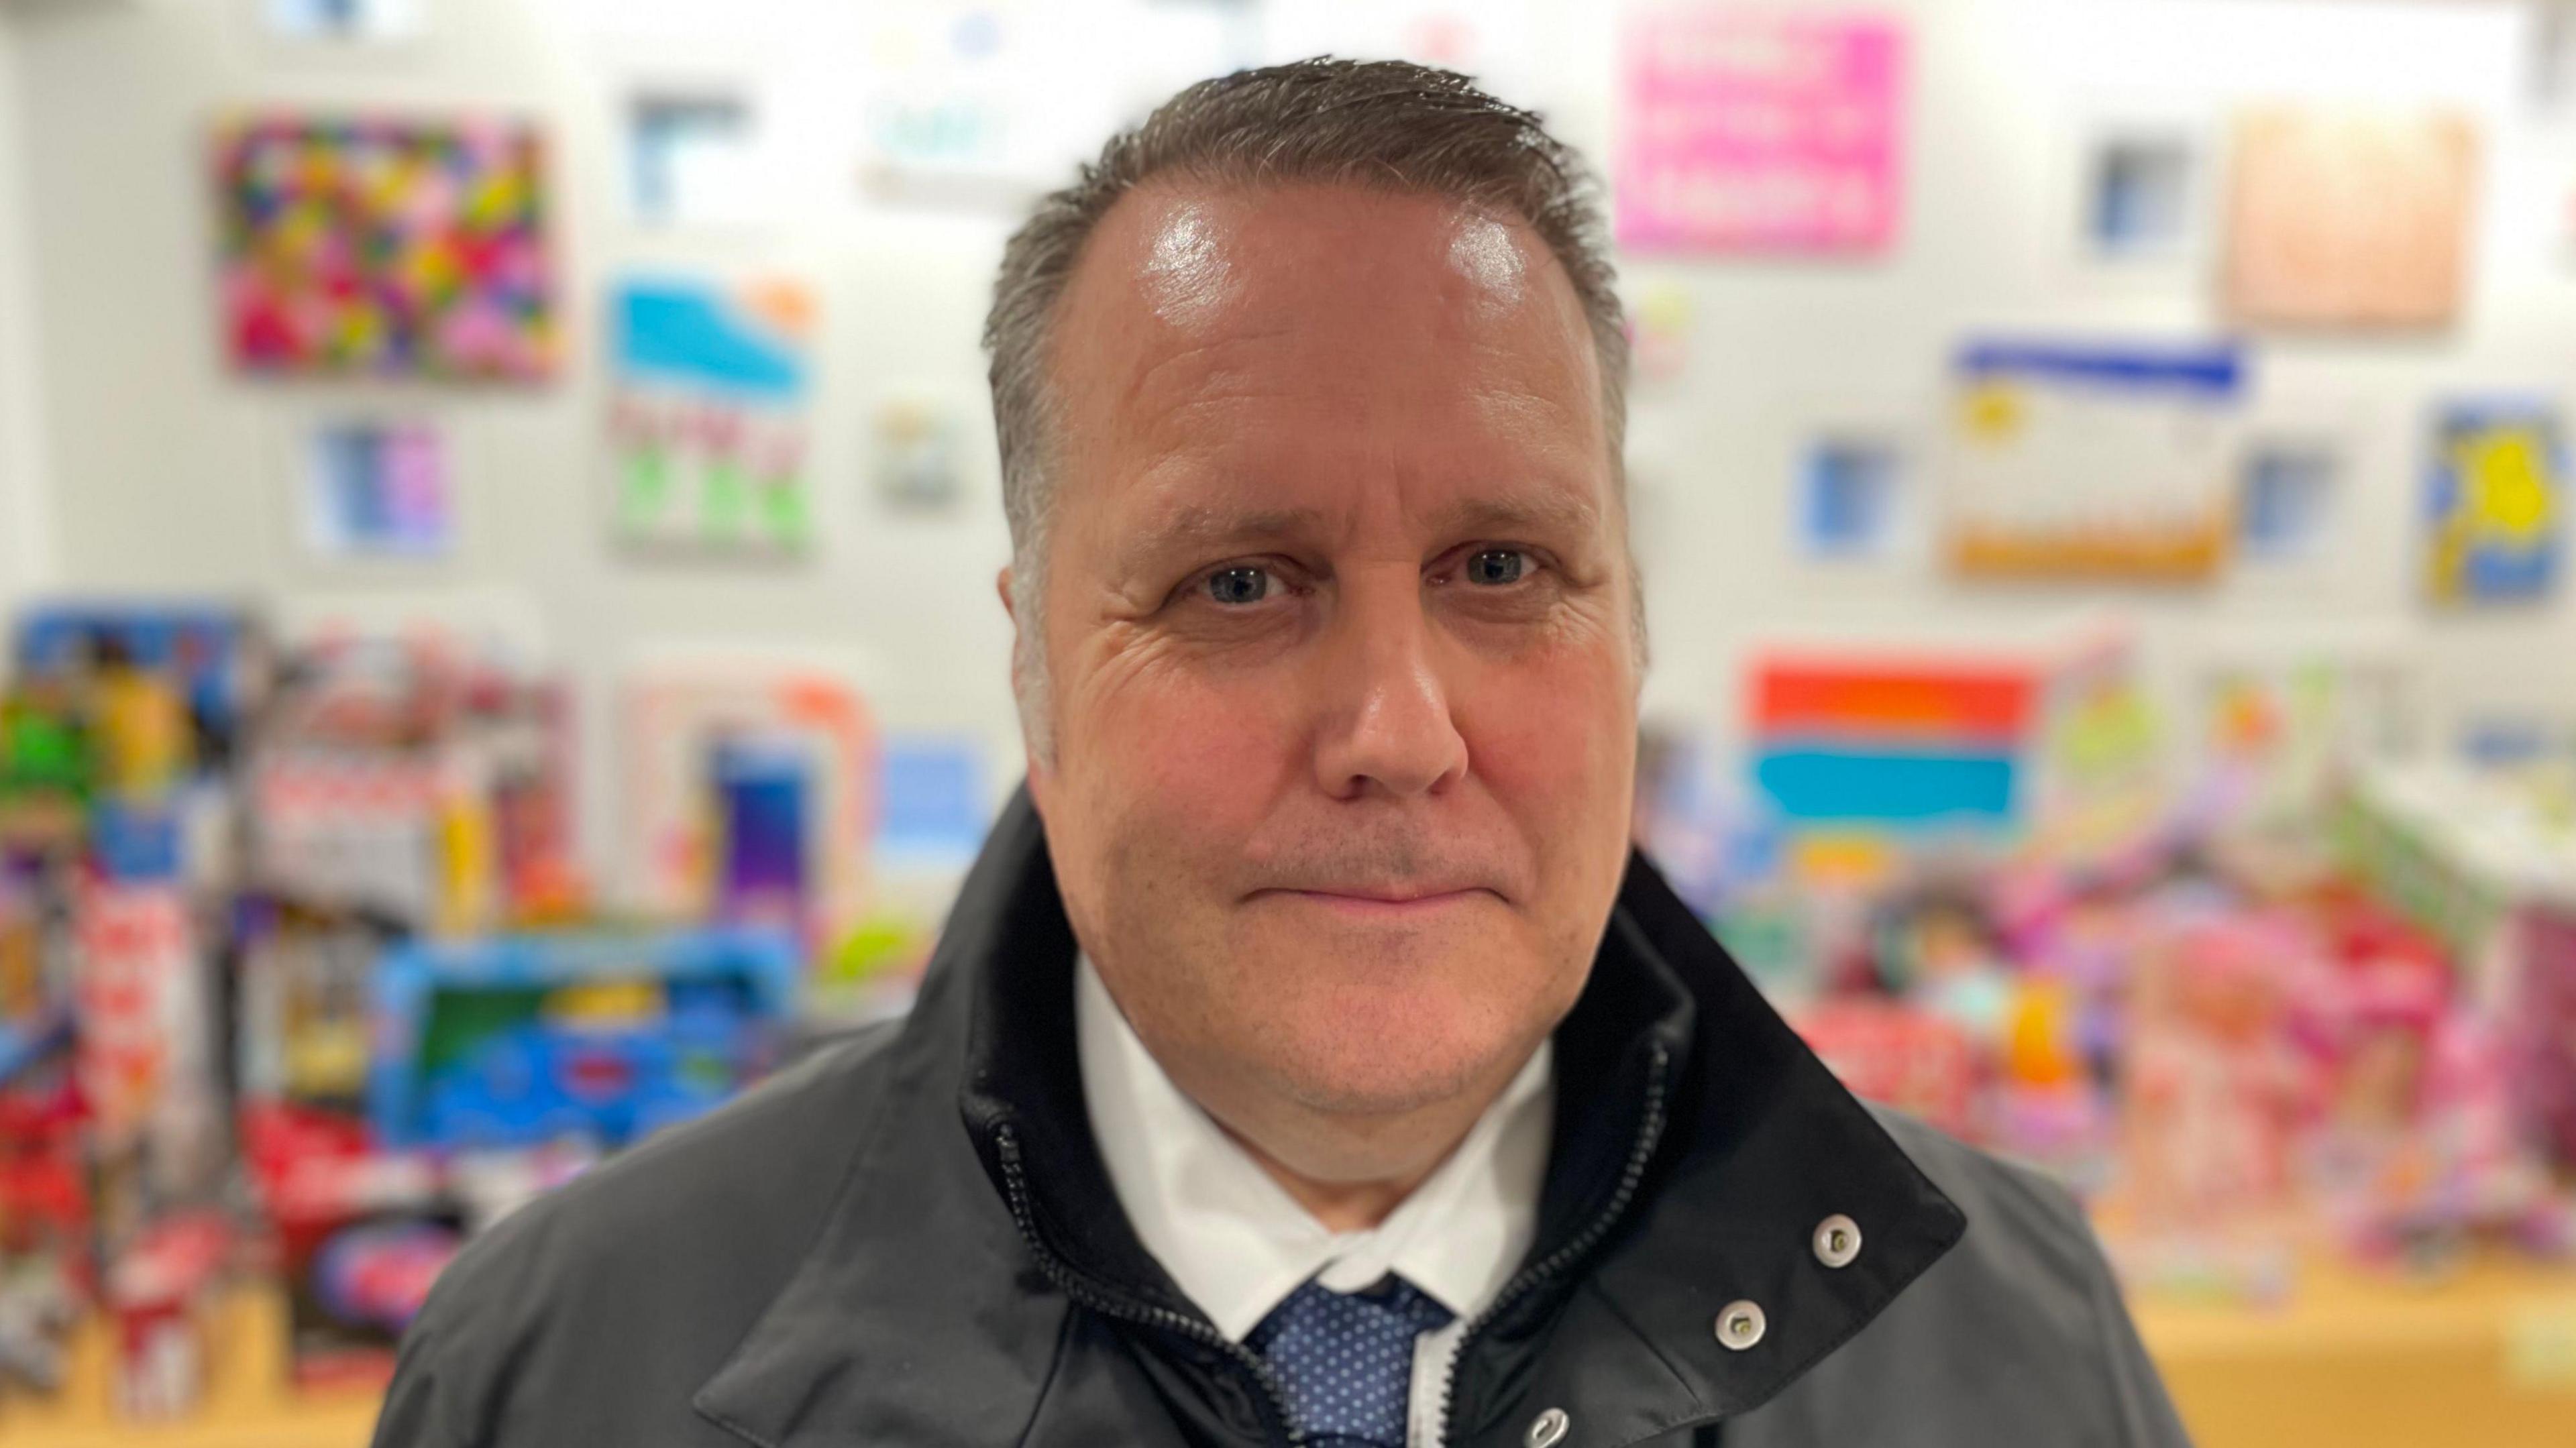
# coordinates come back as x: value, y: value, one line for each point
x: 1371, y: 904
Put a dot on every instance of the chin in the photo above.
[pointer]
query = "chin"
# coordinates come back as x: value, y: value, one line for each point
x: 1382, y: 1047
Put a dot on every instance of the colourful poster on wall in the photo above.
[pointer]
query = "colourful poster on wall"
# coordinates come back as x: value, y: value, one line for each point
x: 1762, y: 132
x: 2086, y: 461
x: 1852, y: 754
x: 385, y: 248
x: 2349, y: 219
x: 2495, y: 495
x: 707, y: 419
x: 377, y: 488
x: 722, y: 762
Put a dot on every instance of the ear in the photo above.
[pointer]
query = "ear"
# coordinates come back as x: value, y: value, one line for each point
x: 1011, y: 610
x: 1035, y: 768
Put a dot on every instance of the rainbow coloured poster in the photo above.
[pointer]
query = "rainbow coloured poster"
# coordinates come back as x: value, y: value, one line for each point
x: 385, y: 248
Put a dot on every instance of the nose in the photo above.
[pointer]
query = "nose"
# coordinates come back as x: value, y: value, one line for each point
x: 1386, y: 727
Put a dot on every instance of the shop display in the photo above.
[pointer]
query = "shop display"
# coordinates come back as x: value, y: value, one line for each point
x: 259, y: 1012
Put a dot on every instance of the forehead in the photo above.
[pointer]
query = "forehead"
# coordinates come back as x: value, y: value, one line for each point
x: 1201, y: 317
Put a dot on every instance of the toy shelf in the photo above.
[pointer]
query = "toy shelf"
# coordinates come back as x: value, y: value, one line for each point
x: 2485, y: 1356
x: 248, y: 1401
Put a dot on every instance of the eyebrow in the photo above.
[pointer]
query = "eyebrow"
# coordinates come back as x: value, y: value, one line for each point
x: 1196, y: 528
x: 1200, y: 529
x: 1542, y: 511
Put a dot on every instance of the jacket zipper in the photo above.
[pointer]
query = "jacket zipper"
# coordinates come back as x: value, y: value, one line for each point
x: 1083, y: 1292
x: 1650, y: 1133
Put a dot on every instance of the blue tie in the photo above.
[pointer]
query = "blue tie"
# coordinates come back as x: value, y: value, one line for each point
x: 1345, y: 1359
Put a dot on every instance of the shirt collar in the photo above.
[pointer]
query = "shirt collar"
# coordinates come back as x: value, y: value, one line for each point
x: 1236, y: 1243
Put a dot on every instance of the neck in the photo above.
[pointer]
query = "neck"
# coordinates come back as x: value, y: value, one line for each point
x: 1349, y: 1170
x: 1342, y: 1206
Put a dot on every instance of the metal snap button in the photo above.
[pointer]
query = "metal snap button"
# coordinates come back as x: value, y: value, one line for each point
x: 1837, y: 1240
x: 1740, y: 1325
x: 1548, y: 1429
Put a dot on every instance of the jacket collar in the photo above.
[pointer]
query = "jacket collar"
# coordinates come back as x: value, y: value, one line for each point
x: 1699, y: 1144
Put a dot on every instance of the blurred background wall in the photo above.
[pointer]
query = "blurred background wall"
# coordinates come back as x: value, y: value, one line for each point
x: 25, y: 549
x: 160, y: 468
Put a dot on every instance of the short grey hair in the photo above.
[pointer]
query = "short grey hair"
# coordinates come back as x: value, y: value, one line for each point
x: 1379, y: 125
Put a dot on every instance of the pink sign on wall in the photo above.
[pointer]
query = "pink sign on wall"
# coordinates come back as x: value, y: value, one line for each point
x: 1761, y: 132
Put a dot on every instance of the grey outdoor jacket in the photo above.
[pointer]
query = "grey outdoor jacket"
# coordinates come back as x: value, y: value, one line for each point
x: 910, y: 1239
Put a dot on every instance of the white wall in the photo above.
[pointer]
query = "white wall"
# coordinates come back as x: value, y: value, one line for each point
x: 2006, y: 90
x: 25, y: 556
x: 168, y: 475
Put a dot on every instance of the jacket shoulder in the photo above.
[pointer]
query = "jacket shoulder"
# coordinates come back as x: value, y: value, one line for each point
x: 630, y: 1284
x: 2023, y: 1227
x: 2020, y: 1323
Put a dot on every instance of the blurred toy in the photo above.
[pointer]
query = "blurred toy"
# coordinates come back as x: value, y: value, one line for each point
x: 147, y: 1037
x: 379, y: 1273
x: 45, y: 1230
x: 2541, y: 997
x: 46, y: 770
x: 141, y: 718
x: 604, y: 1037
x: 37, y: 1310
x: 305, y: 985
x: 421, y: 778
x: 323, y: 1186
x: 155, y: 1290
x: 2045, y: 1107
x: 2211, y: 1090
x: 1937, y: 947
x: 210, y: 657
x: 1902, y: 1056
x: 763, y: 791
x: 2420, y: 1152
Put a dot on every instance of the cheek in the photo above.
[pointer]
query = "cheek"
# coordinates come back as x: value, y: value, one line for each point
x: 1190, y: 757
x: 1563, y: 769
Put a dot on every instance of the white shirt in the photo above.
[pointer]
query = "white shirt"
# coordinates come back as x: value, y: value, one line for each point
x: 1237, y: 1243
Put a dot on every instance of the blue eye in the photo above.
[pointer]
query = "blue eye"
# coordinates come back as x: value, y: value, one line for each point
x: 1497, y: 566
x: 1237, y: 586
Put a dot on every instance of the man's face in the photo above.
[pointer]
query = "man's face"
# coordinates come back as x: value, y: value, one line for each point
x: 1339, y: 623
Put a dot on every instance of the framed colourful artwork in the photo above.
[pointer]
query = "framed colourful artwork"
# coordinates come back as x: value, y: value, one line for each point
x: 1762, y: 132
x: 2495, y: 494
x: 707, y: 425
x: 384, y: 247
x: 2091, y: 460
x: 2349, y: 219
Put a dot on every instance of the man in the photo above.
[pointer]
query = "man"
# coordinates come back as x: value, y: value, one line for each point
x: 1308, y: 1059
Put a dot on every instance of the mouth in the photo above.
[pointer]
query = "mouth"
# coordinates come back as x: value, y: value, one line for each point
x: 1385, y: 903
